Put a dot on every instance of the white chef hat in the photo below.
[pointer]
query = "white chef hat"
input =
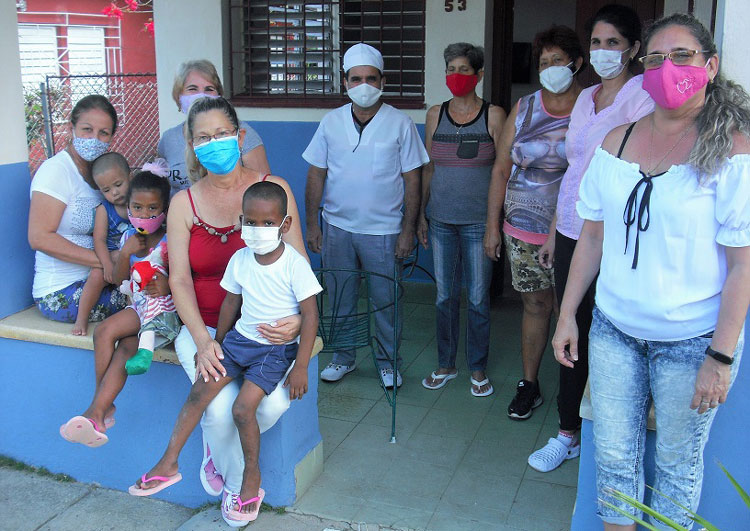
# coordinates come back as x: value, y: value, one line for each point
x: 362, y: 54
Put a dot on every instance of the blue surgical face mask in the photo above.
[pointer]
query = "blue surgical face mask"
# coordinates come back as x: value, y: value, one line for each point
x: 89, y: 148
x: 219, y: 155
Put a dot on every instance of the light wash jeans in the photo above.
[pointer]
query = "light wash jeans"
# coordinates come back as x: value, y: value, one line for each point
x: 458, y: 250
x: 374, y: 253
x: 219, y: 431
x: 624, y: 374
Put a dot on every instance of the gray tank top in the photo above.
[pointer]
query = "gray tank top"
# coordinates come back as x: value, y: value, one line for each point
x: 463, y: 155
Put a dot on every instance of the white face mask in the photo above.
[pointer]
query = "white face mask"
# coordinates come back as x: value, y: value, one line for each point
x: 608, y: 63
x: 262, y: 240
x: 364, y: 95
x: 556, y: 79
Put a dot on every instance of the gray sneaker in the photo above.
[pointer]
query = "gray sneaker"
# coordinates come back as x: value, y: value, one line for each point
x: 387, y: 375
x: 333, y: 372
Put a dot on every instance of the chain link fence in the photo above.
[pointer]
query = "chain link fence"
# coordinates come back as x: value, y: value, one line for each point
x: 134, y: 96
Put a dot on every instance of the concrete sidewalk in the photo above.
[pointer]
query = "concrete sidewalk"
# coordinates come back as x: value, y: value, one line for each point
x: 31, y: 501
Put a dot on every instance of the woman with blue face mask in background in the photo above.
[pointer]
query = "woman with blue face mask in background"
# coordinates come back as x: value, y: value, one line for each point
x: 532, y: 161
x: 615, y: 39
x: 196, y: 79
x: 204, y: 232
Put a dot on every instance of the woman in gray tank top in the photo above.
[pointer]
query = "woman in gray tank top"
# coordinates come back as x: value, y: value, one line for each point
x: 461, y: 138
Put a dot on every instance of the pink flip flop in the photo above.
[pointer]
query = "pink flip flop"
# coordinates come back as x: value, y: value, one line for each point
x: 239, y: 516
x: 82, y: 430
x: 166, y: 481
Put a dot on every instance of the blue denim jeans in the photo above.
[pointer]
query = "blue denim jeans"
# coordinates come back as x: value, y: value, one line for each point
x: 626, y: 374
x: 377, y: 254
x: 457, y: 250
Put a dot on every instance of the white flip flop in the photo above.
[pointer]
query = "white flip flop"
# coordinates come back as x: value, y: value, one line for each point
x: 484, y: 382
x: 441, y: 378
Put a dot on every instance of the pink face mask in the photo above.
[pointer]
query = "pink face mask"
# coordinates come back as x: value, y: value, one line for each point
x: 671, y: 85
x: 147, y: 225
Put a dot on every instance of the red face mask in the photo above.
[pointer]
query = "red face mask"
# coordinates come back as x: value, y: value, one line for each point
x: 461, y: 84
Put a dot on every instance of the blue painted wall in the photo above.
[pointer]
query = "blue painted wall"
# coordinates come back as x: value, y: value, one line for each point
x: 728, y: 443
x: 285, y: 142
x: 16, y: 257
x: 50, y: 384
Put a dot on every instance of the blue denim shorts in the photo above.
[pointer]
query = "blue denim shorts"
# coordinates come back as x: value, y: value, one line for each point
x: 264, y: 365
x: 626, y: 375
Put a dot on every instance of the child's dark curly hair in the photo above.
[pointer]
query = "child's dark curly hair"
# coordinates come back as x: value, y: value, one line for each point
x: 145, y: 180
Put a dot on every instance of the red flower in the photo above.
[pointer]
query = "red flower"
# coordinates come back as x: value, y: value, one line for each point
x: 112, y: 11
x: 132, y: 5
x: 149, y: 27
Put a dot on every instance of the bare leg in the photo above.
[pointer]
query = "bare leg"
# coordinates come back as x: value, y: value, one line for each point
x: 244, y: 409
x: 110, y: 362
x: 201, y: 394
x: 90, y: 294
x: 537, y: 309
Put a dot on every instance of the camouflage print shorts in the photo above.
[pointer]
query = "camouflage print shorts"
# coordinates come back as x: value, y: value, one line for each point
x: 527, y: 274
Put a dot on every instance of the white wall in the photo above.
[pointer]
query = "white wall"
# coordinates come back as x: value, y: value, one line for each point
x: 731, y: 38
x: 195, y: 33
x: 183, y: 31
x: 13, y: 147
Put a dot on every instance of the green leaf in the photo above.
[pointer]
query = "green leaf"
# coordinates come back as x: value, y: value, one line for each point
x: 646, y: 509
x: 625, y: 513
x: 744, y: 495
x: 693, y: 516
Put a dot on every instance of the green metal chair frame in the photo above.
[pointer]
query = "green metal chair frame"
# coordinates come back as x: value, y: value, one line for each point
x: 354, y: 331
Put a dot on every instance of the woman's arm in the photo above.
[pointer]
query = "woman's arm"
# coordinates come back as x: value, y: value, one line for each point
x: 712, y: 380
x: 256, y: 159
x: 294, y: 235
x: 179, y: 221
x: 499, y: 182
x: 45, y: 214
x: 428, y: 170
x: 101, y: 229
x: 583, y: 269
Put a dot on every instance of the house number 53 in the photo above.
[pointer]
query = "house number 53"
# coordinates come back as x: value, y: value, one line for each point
x: 449, y: 5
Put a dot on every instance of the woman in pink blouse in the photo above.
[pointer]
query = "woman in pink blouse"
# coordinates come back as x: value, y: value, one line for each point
x: 615, y: 40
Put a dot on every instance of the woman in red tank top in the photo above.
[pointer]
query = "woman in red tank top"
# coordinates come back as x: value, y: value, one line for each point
x: 204, y: 232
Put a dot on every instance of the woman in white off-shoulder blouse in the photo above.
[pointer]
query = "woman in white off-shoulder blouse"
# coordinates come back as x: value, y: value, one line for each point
x: 666, y: 204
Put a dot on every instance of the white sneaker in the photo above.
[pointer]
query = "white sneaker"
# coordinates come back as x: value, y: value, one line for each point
x: 552, y: 455
x: 334, y: 372
x: 387, y: 376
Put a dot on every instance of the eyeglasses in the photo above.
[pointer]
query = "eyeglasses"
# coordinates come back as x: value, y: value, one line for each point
x: 205, y: 139
x: 678, y: 57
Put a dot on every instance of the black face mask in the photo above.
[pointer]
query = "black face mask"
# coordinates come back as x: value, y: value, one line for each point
x: 467, y: 149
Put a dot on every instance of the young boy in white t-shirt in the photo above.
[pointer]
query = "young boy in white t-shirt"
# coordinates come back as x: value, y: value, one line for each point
x: 268, y: 280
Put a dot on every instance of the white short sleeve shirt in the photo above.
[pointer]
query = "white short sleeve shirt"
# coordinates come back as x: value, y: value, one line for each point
x: 269, y: 292
x: 58, y: 177
x: 674, y: 292
x: 364, y: 189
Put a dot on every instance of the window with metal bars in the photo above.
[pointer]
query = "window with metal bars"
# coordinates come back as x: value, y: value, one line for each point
x: 290, y: 53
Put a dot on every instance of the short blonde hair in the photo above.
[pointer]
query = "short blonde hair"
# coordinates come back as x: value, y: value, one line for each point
x: 203, y: 66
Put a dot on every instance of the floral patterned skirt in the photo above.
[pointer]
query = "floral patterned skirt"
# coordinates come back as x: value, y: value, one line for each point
x: 62, y: 305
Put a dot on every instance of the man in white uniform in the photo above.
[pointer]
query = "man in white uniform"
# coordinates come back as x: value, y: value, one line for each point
x: 366, y: 162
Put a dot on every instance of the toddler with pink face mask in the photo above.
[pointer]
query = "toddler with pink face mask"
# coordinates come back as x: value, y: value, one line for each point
x: 141, y: 265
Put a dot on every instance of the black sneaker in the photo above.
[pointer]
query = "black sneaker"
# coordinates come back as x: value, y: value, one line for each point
x: 527, y: 398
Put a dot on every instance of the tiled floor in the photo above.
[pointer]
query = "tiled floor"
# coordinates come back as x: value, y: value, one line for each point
x: 459, y: 461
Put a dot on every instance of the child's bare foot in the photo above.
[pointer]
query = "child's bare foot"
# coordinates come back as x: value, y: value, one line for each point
x: 248, y: 492
x: 97, y: 417
x: 109, y: 417
x: 163, y: 469
x: 80, y: 329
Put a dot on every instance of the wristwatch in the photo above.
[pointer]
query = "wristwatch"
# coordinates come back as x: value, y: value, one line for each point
x: 718, y: 356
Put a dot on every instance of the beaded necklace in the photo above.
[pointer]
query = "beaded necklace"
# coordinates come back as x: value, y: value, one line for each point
x: 223, y: 236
